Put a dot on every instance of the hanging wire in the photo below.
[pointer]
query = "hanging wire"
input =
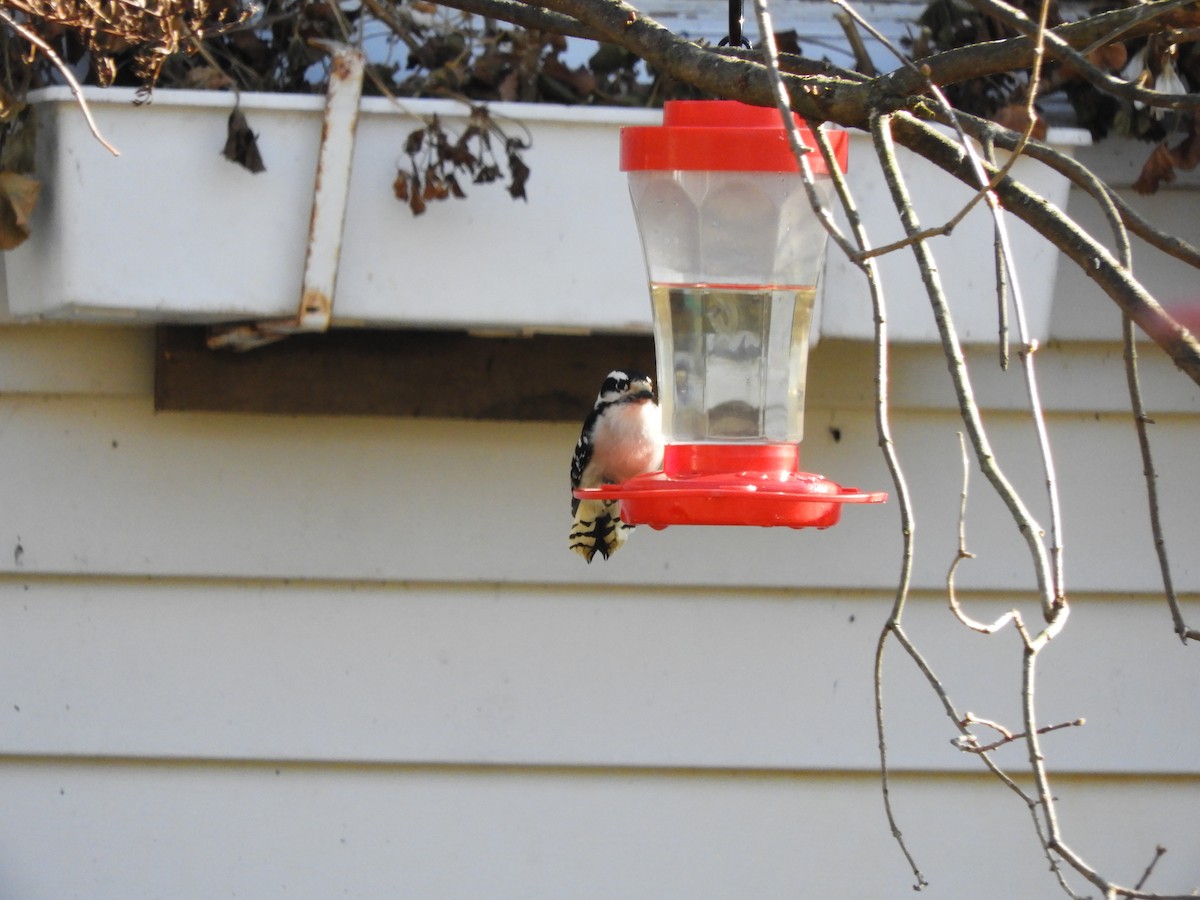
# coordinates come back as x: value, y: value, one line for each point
x: 737, y: 16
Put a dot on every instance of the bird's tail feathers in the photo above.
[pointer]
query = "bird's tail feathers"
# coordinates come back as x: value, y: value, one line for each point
x: 598, y: 528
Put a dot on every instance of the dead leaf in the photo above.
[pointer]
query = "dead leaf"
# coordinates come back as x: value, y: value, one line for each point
x: 241, y: 144
x: 415, y: 202
x: 17, y: 154
x: 445, y: 79
x: 520, y: 174
x: 1159, y: 167
x: 583, y: 81
x: 460, y: 155
x: 436, y: 187
x: 1111, y: 57
x: 18, y: 198
x: 414, y: 141
x: 578, y: 81
x: 487, y: 174
x: 407, y: 188
x: 510, y: 87
x: 257, y: 52
x: 400, y: 187
x: 105, y: 68
x: 10, y: 106
x: 491, y: 66
x: 1016, y: 117
x: 1186, y: 155
x: 206, y: 78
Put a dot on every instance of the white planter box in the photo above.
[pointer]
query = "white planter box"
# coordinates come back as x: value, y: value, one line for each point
x: 965, y: 258
x: 172, y: 232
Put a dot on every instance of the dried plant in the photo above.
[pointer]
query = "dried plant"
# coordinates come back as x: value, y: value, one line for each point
x: 437, y: 159
x: 146, y: 32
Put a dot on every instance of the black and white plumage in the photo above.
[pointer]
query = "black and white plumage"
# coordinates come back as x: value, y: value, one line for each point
x: 621, y: 438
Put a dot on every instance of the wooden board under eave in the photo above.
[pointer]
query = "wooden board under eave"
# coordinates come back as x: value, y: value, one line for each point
x: 413, y: 373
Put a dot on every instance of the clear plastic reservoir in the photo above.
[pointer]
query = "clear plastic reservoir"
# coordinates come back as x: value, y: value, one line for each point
x: 732, y: 361
x: 733, y: 252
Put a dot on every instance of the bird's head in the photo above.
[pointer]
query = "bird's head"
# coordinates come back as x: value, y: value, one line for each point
x: 626, y: 384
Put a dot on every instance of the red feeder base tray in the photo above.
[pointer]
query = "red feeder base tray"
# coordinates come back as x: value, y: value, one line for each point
x: 760, y: 486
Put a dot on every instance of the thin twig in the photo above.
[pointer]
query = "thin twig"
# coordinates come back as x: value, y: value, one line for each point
x: 1140, y: 421
x: 63, y: 68
x: 1158, y: 854
x: 770, y: 54
x: 971, y: 743
x: 1038, y: 416
x: 1037, y: 760
x: 891, y: 628
x: 862, y: 59
x: 968, y: 408
x: 964, y: 554
x: 1035, y: 74
x: 989, y: 153
x: 1031, y: 803
x: 903, y: 497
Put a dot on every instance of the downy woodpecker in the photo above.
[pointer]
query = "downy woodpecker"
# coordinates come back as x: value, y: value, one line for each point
x: 621, y: 438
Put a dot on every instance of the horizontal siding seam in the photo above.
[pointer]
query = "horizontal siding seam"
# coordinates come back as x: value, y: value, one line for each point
x: 591, y: 590
x: 581, y: 770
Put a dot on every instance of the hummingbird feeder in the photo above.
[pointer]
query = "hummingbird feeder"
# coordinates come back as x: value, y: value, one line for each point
x: 733, y: 251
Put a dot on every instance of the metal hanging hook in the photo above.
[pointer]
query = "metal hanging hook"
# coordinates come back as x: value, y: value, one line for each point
x: 737, y: 16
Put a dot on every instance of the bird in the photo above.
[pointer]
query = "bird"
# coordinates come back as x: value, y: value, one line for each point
x: 622, y: 438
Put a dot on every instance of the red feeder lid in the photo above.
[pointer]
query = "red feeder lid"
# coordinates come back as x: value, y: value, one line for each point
x: 694, y: 489
x: 724, y: 136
